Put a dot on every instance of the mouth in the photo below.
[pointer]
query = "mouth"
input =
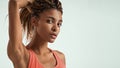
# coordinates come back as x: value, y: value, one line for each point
x: 53, y: 36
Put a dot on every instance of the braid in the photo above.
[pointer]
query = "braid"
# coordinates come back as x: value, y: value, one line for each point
x: 34, y: 9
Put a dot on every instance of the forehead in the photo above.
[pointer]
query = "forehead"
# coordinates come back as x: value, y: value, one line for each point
x: 51, y: 13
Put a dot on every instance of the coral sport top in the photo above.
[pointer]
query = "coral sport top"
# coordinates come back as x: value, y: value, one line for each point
x: 34, y: 63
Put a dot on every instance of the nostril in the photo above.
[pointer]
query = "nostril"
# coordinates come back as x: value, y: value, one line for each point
x: 53, y: 29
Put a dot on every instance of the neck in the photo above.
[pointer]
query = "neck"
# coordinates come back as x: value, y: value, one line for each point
x: 39, y: 46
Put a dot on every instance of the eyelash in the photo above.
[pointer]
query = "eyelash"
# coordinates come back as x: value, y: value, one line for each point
x: 50, y: 22
x: 59, y: 24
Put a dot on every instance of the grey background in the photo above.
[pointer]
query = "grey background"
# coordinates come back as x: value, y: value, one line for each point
x: 90, y: 35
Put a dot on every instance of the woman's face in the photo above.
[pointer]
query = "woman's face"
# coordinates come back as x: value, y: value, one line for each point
x: 48, y: 26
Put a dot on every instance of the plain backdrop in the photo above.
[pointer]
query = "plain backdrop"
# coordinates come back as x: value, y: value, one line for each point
x: 89, y: 37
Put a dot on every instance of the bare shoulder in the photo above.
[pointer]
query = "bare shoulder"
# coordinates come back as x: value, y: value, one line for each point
x: 61, y: 55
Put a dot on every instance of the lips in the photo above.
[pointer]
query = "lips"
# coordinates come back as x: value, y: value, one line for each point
x: 53, y: 36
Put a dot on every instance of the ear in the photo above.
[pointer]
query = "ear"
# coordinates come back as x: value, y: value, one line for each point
x: 34, y: 21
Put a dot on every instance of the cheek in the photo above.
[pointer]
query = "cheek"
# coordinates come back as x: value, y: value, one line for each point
x: 43, y: 29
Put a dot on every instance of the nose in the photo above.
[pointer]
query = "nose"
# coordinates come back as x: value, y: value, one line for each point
x: 54, y: 28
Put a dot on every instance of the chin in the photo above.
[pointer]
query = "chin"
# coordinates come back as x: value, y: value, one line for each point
x: 51, y: 41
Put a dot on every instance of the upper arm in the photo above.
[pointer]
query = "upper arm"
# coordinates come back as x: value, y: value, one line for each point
x: 17, y: 53
x: 15, y: 27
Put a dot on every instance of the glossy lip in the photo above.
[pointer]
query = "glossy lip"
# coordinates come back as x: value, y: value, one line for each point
x: 53, y: 35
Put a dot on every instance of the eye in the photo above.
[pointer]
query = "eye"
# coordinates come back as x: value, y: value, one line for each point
x: 59, y: 24
x: 49, y: 21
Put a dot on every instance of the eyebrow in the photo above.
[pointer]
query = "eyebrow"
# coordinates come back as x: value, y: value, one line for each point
x: 54, y: 18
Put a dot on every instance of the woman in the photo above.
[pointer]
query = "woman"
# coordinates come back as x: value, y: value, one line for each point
x: 41, y: 19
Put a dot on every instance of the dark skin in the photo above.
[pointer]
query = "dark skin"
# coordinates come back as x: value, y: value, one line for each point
x: 47, y: 28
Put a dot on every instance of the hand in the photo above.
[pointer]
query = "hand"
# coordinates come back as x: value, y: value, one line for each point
x: 21, y: 3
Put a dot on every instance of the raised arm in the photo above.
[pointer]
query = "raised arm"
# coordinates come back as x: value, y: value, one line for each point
x: 16, y: 50
x: 15, y: 27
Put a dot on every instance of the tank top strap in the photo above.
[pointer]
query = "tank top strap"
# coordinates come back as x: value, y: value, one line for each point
x: 60, y: 63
